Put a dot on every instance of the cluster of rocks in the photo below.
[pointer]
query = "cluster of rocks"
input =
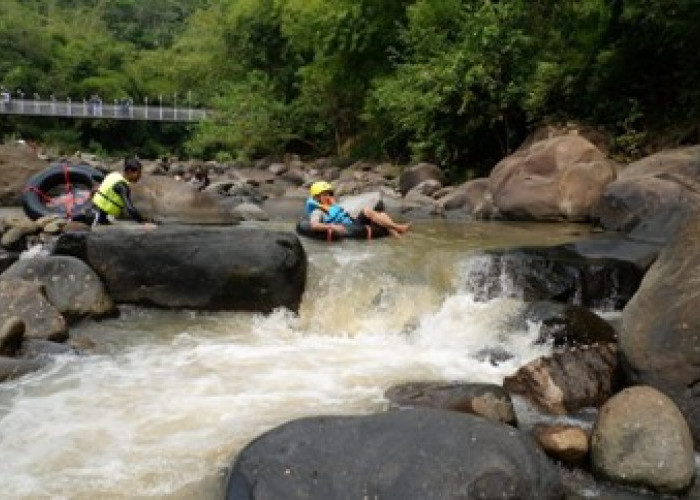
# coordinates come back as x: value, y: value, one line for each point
x: 85, y: 274
x: 643, y: 378
x: 638, y: 437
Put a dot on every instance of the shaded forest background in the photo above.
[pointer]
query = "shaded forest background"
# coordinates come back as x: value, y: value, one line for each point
x: 457, y: 82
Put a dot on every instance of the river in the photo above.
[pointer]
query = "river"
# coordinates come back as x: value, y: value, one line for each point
x: 162, y: 400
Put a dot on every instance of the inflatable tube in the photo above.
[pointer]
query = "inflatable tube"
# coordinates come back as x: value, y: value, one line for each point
x: 355, y: 231
x: 62, y: 189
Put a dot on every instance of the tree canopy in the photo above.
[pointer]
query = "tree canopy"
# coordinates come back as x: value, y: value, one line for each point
x: 456, y: 82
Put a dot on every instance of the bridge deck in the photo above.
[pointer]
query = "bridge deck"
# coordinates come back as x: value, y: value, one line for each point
x: 92, y: 110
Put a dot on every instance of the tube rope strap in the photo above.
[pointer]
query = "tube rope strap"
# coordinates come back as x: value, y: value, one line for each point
x: 69, y: 194
x: 69, y: 200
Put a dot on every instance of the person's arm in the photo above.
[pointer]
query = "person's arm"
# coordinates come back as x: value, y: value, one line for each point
x: 122, y: 189
x: 316, y: 225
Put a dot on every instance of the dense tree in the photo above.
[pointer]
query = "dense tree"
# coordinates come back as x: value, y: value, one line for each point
x: 458, y: 82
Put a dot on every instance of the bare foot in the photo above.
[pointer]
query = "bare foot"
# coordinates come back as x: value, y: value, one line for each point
x: 394, y: 233
x: 402, y: 228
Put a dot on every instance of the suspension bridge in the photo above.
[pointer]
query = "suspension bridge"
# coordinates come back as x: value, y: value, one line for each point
x: 97, y: 110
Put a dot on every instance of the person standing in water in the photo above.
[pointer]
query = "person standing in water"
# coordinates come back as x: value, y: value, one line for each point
x: 325, y: 214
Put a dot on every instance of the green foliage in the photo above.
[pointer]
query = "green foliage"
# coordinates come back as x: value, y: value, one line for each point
x: 458, y: 82
x: 249, y: 120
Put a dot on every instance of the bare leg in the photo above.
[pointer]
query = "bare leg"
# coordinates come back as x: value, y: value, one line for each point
x: 383, y: 219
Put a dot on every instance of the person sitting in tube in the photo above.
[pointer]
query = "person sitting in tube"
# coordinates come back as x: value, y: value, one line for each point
x: 325, y: 214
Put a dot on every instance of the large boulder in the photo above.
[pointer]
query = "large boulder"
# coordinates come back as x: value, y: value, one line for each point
x: 167, y: 199
x: 416, y: 174
x: 70, y: 285
x: 659, y: 339
x: 473, y: 198
x: 18, y: 162
x: 569, y: 379
x: 556, y: 178
x: 27, y: 301
x: 651, y: 196
x: 561, y: 273
x: 212, y: 268
x: 401, y: 454
x: 641, y: 438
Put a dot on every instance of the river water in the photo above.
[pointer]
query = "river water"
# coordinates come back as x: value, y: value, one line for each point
x: 162, y: 400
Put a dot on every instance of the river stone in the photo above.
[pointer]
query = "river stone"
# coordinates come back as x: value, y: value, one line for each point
x: 659, y: 341
x: 416, y: 174
x: 642, y: 439
x: 11, y: 368
x: 651, y: 196
x: 486, y: 400
x: 557, y: 178
x: 209, y: 268
x: 568, y: 325
x: 569, y: 379
x: 567, y: 443
x: 417, y: 453
x: 7, y: 259
x: 167, y: 199
x: 26, y: 300
x: 560, y: 273
x: 11, y: 336
x: 18, y: 162
x: 70, y: 285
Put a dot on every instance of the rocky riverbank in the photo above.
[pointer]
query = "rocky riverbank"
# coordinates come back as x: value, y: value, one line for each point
x: 641, y: 378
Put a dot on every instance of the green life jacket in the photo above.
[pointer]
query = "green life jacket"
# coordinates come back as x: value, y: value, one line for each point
x: 106, y: 198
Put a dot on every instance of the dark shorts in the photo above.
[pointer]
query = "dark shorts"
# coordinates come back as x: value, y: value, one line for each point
x: 362, y: 218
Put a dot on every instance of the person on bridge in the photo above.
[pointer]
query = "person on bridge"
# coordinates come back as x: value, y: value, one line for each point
x: 113, y: 197
x: 327, y: 215
x: 6, y: 98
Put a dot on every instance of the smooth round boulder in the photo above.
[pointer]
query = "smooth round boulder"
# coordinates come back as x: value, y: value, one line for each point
x: 641, y: 438
x: 659, y: 343
x: 417, y: 453
x: 557, y: 178
x: 70, y: 285
x: 27, y: 301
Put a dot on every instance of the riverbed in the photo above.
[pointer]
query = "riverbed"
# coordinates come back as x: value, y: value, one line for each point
x: 158, y: 402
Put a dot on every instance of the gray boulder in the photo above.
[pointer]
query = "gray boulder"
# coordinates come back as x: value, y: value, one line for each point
x: 211, y: 268
x: 659, y: 343
x: 416, y: 174
x: 642, y: 439
x: 486, y: 400
x: 70, y: 285
x: 397, y: 455
x: 27, y: 301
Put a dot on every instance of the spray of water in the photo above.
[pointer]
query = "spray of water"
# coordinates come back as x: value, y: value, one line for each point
x: 163, y: 399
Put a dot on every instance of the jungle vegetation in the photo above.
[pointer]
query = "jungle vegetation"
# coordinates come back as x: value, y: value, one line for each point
x: 457, y: 82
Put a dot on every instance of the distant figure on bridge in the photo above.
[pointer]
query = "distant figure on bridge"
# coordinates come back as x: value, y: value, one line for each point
x: 6, y: 98
x: 124, y: 105
x: 95, y: 105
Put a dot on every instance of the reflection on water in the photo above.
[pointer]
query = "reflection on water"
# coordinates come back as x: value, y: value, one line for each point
x: 164, y: 399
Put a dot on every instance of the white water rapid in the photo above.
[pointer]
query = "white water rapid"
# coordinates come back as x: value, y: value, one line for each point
x: 160, y: 401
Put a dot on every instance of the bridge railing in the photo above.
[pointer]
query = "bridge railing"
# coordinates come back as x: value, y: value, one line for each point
x: 98, y: 110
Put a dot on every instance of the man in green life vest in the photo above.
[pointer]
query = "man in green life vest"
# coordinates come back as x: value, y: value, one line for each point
x: 113, y: 197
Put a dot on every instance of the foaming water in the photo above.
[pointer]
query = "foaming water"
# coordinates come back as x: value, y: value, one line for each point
x: 163, y: 399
